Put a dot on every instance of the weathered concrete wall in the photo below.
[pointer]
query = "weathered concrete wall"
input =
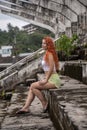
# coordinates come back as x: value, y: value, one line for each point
x: 76, y: 70
x: 73, y: 70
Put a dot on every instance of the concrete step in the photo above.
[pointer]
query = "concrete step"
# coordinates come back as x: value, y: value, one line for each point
x: 35, y: 120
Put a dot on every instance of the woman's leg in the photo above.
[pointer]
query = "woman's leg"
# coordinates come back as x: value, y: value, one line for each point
x: 31, y: 95
x: 41, y: 97
x: 29, y: 100
x: 36, y: 88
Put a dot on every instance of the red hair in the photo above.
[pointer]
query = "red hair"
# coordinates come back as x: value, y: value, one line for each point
x: 51, y: 49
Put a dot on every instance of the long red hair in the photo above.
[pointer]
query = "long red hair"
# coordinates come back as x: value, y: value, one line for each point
x: 51, y: 49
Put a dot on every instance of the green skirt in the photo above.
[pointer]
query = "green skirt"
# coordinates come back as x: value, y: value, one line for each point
x: 54, y: 79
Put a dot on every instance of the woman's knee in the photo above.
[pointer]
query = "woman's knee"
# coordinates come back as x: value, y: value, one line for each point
x: 32, y: 86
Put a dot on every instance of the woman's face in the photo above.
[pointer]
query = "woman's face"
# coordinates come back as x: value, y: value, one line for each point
x: 44, y: 46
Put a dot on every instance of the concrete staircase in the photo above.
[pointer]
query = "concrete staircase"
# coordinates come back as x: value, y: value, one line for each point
x: 20, y: 71
x: 35, y: 120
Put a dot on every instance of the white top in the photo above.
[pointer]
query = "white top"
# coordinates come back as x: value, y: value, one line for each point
x: 46, y: 67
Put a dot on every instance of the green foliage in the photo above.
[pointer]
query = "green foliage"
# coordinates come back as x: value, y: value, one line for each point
x: 12, y: 31
x: 21, y: 40
x: 74, y: 38
x: 37, y: 40
x: 45, y: 31
x: 4, y: 37
x: 65, y: 44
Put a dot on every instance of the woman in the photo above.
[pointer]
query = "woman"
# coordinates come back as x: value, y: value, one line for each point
x: 50, y: 65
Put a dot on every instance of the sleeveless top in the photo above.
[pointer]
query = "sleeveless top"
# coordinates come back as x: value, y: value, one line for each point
x: 46, y: 67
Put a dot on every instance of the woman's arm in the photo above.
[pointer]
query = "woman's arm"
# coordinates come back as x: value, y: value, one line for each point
x: 51, y: 66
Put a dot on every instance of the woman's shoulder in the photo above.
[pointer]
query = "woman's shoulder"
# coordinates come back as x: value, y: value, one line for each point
x: 49, y: 53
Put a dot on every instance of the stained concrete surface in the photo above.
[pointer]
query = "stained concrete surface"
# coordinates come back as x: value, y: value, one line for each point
x: 35, y: 120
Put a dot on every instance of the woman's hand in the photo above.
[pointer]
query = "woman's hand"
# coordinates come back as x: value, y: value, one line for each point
x: 42, y: 82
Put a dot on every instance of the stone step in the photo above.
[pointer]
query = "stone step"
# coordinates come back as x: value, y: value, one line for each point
x: 35, y: 120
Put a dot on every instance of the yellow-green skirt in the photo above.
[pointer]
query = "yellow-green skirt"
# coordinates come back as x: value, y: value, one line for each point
x: 54, y: 79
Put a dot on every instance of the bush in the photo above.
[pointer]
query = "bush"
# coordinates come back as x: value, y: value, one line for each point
x: 65, y: 45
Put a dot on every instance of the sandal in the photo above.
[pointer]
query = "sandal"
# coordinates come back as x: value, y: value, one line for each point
x: 19, y: 112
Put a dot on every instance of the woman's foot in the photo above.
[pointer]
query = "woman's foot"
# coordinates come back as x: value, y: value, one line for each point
x: 22, y: 111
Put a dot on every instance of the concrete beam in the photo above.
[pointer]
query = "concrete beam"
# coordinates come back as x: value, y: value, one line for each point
x: 9, y: 3
x: 32, y: 20
x: 83, y: 2
x: 35, y: 17
x: 55, y: 15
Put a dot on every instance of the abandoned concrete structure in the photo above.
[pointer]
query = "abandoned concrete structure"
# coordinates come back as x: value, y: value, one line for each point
x: 68, y: 105
x: 69, y: 16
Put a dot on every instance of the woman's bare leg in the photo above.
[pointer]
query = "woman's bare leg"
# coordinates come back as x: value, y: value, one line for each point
x: 41, y: 97
x: 29, y: 100
x: 35, y: 90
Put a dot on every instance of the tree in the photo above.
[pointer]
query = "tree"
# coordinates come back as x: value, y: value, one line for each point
x: 22, y: 41
x: 12, y: 33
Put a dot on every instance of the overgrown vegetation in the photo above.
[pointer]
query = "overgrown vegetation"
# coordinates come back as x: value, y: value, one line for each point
x: 65, y: 46
x: 21, y: 40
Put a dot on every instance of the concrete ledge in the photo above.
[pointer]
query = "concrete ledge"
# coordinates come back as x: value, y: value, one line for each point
x: 68, y: 104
